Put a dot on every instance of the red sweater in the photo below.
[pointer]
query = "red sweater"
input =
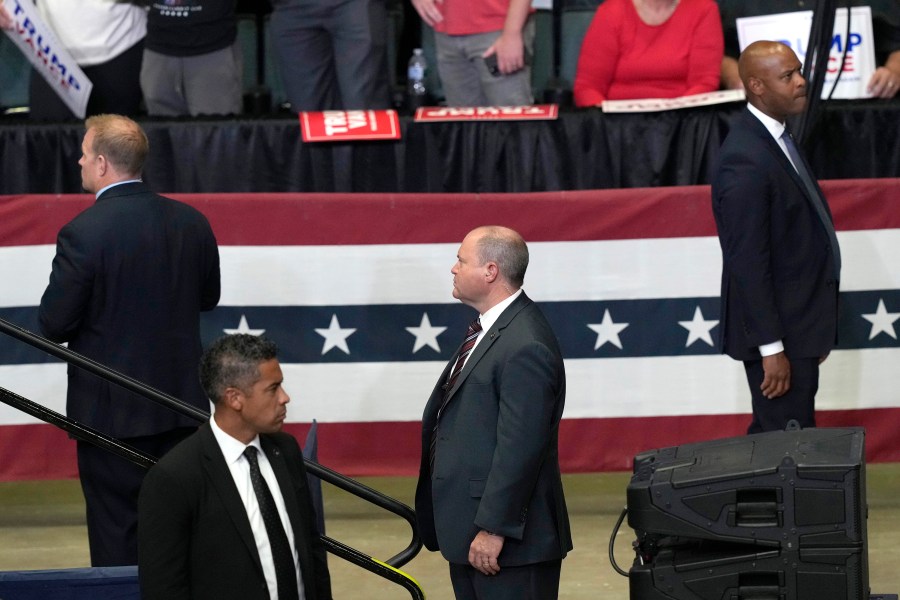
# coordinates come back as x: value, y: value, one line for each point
x: 623, y: 58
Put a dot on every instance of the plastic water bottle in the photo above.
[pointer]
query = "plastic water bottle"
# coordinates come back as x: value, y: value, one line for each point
x: 415, y: 80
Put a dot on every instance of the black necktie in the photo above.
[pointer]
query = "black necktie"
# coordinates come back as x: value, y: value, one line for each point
x: 464, y: 351
x: 282, y: 556
x: 817, y: 200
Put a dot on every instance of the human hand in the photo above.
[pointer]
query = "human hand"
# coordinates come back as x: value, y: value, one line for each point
x: 6, y: 21
x: 429, y: 11
x: 484, y: 550
x: 884, y: 83
x: 777, y: 375
x: 510, y: 51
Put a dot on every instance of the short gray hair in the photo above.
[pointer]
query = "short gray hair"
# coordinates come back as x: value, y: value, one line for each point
x: 233, y: 361
x: 505, y: 247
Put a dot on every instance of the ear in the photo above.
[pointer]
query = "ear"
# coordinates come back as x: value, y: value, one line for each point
x: 491, y: 272
x: 102, y: 165
x: 755, y: 86
x: 233, y: 398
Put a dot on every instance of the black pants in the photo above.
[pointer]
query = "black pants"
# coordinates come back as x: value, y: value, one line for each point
x: 798, y: 403
x: 117, y: 89
x: 111, y: 485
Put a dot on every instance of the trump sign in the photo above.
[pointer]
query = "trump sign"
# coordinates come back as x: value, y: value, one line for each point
x: 851, y: 45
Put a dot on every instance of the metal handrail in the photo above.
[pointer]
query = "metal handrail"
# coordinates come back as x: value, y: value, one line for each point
x: 76, y: 429
x: 378, y: 499
x: 102, y: 371
x: 387, y: 569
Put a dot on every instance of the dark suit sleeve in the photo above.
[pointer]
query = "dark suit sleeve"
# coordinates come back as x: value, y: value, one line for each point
x: 68, y: 294
x: 212, y: 286
x: 164, y: 534
x: 743, y: 203
x: 529, y: 390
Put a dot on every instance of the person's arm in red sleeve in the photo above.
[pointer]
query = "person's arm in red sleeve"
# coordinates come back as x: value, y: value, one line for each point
x: 598, y: 58
x: 708, y: 47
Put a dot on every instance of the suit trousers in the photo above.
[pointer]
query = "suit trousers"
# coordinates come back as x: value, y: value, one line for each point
x: 798, y: 403
x: 538, y: 581
x: 111, y: 486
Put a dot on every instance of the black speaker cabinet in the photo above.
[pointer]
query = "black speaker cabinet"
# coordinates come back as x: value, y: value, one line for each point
x: 771, y: 516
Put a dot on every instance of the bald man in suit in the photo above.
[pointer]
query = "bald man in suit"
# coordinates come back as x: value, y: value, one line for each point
x: 490, y: 494
x: 781, y: 260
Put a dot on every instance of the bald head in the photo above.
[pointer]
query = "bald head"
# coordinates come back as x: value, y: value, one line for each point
x: 490, y: 266
x: 773, y: 79
x: 505, y: 247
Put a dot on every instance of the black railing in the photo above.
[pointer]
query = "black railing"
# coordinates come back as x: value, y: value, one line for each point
x: 387, y: 569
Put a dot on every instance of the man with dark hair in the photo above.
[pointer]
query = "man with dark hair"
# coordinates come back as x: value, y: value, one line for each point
x: 131, y: 275
x: 490, y: 494
x: 227, y: 514
x: 781, y: 263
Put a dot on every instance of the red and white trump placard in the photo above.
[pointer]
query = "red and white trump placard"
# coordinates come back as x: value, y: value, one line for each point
x: 346, y: 125
x: 537, y: 112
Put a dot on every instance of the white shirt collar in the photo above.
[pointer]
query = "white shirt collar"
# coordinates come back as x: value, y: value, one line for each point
x: 493, y: 313
x: 232, y: 448
x: 112, y: 185
x: 775, y: 127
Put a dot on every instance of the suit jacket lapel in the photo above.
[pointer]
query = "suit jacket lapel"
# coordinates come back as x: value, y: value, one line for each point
x: 776, y: 151
x: 223, y: 482
x: 490, y: 336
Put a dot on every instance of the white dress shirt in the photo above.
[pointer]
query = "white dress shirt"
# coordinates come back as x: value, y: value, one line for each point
x: 233, y: 450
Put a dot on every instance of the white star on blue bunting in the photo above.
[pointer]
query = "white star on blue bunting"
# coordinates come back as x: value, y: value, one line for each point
x: 698, y: 328
x: 882, y: 321
x: 426, y: 334
x: 244, y: 327
x: 607, y: 331
x: 335, y: 336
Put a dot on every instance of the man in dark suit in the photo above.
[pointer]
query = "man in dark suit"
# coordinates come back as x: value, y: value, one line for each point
x: 130, y: 277
x: 781, y: 261
x: 490, y: 494
x: 203, y: 529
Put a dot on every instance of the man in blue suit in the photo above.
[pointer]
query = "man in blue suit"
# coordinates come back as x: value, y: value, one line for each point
x: 490, y: 494
x: 131, y: 275
x: 781, y: 261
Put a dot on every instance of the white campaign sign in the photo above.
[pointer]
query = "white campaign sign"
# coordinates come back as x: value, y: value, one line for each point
x: 42, y: 48
x: 793, y: 29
